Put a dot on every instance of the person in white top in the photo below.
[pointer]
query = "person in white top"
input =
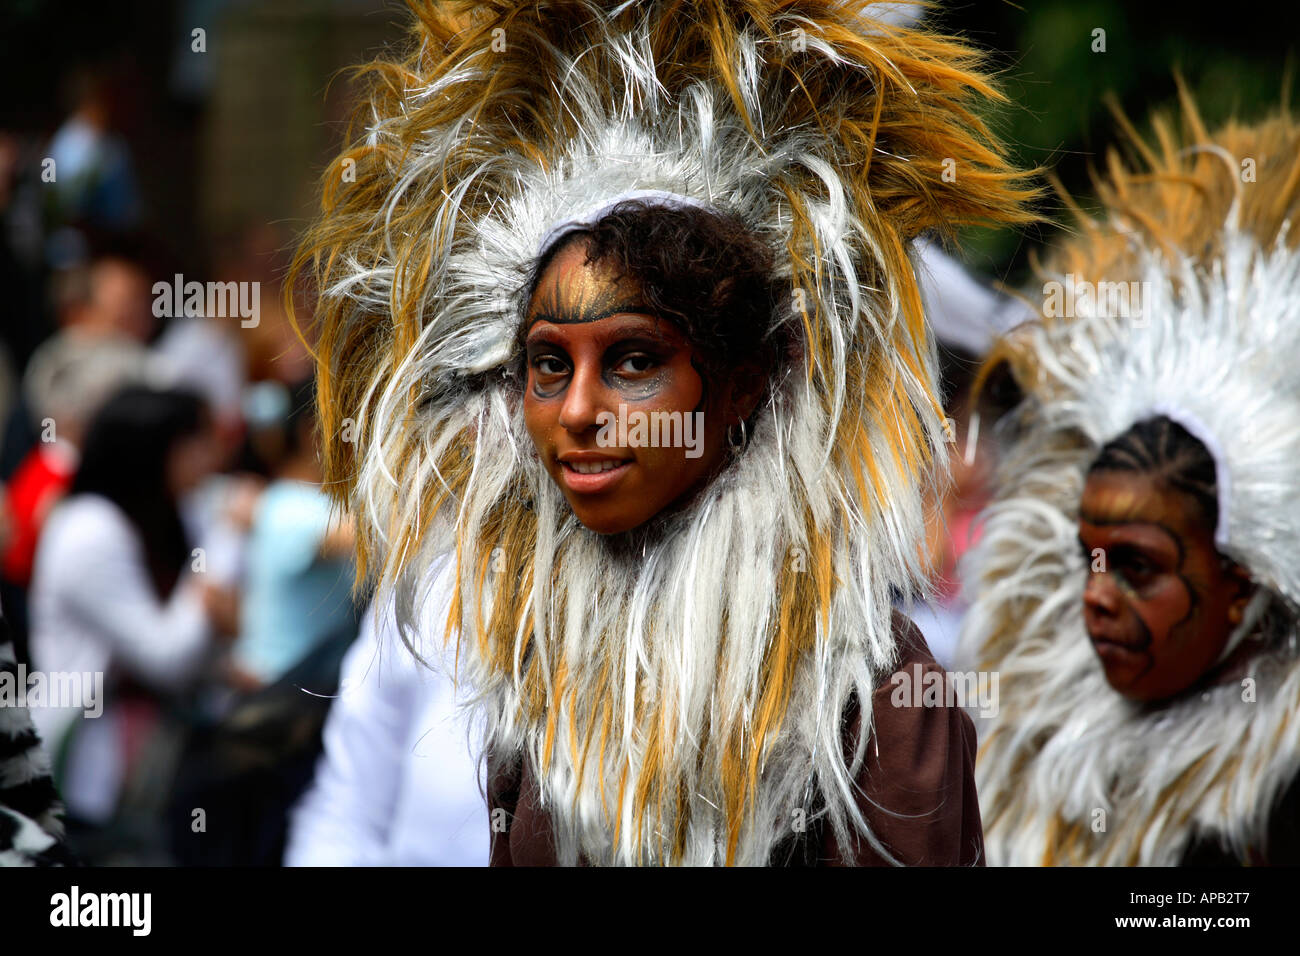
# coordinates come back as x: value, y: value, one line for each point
x: 399, y: 783
x: 114, y: 590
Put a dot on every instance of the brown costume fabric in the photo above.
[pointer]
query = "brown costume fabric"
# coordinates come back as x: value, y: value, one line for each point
x: 916, y: 788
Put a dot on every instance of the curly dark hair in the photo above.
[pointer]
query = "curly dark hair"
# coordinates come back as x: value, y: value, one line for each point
x: 702, y: 269
x: 1172, y: 455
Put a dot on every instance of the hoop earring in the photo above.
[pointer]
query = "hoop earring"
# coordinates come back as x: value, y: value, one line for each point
x: 737, y: 446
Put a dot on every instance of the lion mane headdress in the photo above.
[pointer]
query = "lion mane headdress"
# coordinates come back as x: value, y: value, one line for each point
x: 678, y: 691
x: 1197, y: 241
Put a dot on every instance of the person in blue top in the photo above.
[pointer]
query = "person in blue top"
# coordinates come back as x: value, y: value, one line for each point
x: 299, y: 565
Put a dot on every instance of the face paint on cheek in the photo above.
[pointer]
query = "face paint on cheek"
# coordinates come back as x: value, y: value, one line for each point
x: 545, y: 393
x: 1184, y: 630
x: 1168, y: 620
x: 1181, y: 605
x: 641, y: 390
x: 1125, y: 588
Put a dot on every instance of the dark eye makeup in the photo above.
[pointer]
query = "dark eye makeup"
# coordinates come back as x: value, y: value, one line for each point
x: 633, y: 357
x: 1132, y: 559
x: 1130, y: 563
x: 549, y: 365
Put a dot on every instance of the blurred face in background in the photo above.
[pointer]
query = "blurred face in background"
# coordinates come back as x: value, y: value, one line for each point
x: 120, y: 301
x: 1160, y: 602
x: 192, y: 458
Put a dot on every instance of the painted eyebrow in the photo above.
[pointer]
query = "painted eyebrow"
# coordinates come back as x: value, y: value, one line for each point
x: 589, y: 314
x: 613, y: 342
x: 1178, y: 542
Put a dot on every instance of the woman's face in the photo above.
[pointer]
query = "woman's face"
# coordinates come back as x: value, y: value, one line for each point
x: 1160, y: 603
x: 191, y: 459
x: 616, y: 404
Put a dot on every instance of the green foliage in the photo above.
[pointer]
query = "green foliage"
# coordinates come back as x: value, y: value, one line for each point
x: 1234, y: 59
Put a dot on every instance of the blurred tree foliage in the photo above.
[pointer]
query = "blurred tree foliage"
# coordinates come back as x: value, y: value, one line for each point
x: 1234, y: 58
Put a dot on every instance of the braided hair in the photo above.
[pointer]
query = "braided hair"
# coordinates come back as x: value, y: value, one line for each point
x: 1172, y: 456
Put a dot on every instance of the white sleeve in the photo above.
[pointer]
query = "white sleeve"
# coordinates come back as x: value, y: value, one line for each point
x: 102, y: 577
x: 344, y: 817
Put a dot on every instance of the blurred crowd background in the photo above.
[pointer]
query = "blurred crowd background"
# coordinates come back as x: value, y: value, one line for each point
x: 163, y: 520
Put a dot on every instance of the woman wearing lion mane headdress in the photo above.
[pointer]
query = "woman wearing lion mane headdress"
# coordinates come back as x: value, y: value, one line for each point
x: 620, y: 317
x: 1138, y: 579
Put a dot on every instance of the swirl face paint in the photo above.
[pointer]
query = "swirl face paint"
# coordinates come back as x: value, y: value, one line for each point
x: 596, y: 352
x: 1159, y: 601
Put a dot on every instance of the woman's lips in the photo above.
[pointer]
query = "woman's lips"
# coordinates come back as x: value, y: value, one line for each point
x: 1116, y: 652
x: 587, y: 476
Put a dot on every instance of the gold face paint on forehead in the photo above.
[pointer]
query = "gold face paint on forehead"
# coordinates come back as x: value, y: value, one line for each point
x: 1132, y: 509
x: 1130, y: 498
x: 577, y: 292
x: 1118, y: 502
